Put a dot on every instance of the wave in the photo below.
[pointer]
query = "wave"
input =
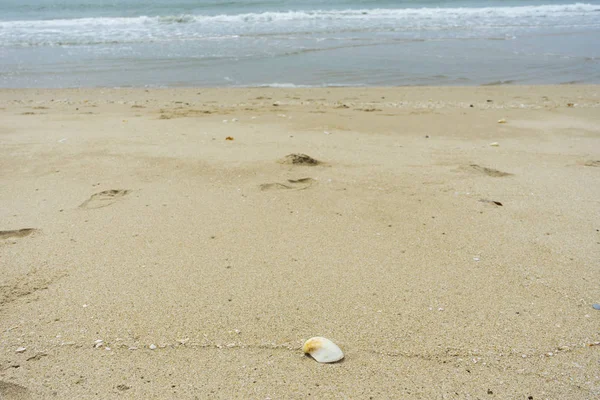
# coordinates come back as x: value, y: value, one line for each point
x: 270, y: 29
x: 554, y: 11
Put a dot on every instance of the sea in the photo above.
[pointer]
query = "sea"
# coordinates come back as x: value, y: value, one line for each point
x: 297, y: 43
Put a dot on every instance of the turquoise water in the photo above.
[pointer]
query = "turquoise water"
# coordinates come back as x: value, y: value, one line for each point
x: 155, y: 43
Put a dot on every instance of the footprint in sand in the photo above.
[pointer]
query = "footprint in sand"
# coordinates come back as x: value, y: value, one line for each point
x: 299, y: 159
x: 104, y: 199
x: 291, y: 184
x: 26, y: 285
x: 12, y: 391
x: 592, y: 163
x: 18, y: 233
x: 491, y: 202
x: 488, y: 171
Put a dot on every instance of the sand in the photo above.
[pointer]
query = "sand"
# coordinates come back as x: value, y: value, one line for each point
x: 443, y: 266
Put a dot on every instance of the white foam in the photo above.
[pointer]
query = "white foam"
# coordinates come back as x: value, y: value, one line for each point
x: 90, y: 31
x: 317, y: 15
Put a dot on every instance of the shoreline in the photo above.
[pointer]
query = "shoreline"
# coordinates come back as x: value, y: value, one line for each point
x: 156, y: 243
x: 291, y: 86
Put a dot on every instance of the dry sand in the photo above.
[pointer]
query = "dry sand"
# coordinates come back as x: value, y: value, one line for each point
x: 148, y: 227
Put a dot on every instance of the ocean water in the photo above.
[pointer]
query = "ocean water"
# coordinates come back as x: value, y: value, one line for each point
x: 162, y: 43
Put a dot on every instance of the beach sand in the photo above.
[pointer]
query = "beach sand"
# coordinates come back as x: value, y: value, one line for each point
x: 442, y: 265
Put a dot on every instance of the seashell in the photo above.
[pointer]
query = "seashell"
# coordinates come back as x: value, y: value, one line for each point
x: 502, y: 121
x: 323, y: 350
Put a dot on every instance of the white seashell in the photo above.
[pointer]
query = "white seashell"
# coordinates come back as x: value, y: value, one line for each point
x: 20, y: 350
x: 323, y: 350
x: 494, y: 144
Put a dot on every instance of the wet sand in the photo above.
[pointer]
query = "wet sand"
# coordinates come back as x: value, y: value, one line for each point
x: 144, y: 255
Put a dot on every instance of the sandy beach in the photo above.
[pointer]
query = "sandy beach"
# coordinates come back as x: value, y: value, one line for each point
x: 158, y: 244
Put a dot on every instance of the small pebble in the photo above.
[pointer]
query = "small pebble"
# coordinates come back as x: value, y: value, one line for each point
x: 152, y: 347
x: 21, y: 350
x: 494, y: 144
x: 596, y: 306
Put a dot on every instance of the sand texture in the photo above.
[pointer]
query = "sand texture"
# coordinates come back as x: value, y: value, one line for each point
x: 177, y: 243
